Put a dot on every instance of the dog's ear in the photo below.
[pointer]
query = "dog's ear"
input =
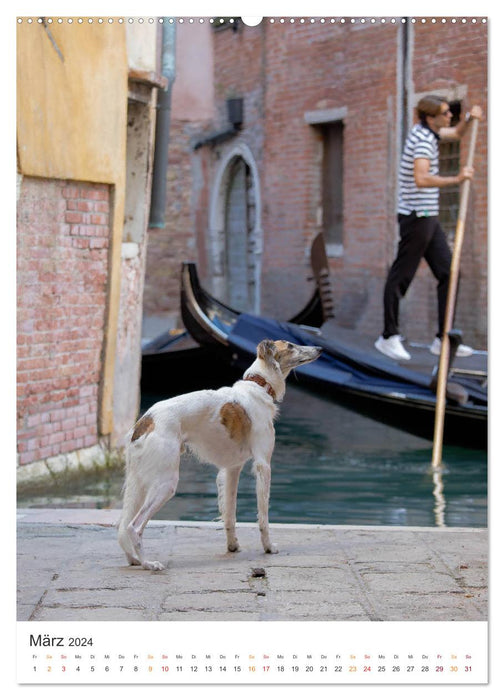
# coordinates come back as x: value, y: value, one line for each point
x: 266, y: 351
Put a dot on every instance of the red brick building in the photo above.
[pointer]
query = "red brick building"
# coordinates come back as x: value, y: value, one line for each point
x: 86, y: 104
x: 60, y: 314
x: 326, y: 105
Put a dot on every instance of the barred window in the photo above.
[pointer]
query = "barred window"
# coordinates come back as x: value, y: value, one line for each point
x: 449, y: 164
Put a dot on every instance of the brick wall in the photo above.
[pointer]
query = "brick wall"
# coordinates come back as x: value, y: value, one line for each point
x: 169, y: 246
x: 283, y: 71
x: 62, y: 267
x: 321, y: 67
x: 458, y: 57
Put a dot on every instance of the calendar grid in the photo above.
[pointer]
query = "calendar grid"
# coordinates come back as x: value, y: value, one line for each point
x: 253, y: 653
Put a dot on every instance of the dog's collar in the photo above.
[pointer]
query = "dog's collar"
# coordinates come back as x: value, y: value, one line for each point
x: 262, y: 382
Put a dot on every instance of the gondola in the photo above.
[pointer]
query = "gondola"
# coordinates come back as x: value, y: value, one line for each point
x: 195, y: 356
x: 350, y: 370
x: 174, y: 363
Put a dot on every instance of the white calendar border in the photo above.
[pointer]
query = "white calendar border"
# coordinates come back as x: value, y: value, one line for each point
x: 252, y: 653
x: 13, y: 629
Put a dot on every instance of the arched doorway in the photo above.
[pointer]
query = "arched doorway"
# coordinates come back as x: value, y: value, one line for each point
x: 235, y: 239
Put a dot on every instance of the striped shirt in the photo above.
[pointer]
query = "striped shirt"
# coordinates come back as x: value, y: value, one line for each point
x: 421, y: 143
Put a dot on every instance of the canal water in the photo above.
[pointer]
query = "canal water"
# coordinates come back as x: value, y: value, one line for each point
x: 330, y: 466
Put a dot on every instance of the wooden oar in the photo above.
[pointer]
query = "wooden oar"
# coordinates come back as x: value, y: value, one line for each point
x: 450, y: 306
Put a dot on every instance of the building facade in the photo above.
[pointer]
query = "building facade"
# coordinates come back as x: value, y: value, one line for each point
x: 86, y: 102
x: 325, y: 107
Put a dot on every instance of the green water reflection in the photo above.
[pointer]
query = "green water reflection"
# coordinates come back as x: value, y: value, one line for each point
x: 330, y: 466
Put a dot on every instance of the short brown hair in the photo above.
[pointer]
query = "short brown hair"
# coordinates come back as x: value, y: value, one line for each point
x: 429, y: 106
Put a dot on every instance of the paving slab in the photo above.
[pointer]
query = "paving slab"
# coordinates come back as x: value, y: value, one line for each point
x: 70, y: 567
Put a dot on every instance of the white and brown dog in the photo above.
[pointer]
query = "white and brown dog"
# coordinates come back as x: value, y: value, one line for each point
x: 225, y: 427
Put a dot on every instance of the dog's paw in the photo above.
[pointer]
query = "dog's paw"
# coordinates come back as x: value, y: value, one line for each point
x: 271, y: 549
x: 153, y: 565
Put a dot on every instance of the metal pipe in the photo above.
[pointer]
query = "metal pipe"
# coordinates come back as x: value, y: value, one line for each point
x: 162, y: 138
x: 405, y: 72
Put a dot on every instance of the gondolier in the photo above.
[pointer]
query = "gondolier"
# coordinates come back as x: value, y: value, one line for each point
x: 421, y: 235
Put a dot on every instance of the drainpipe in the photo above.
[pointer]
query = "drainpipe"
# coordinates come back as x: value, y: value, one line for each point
x: 158, y: 191
x: 406, y: 48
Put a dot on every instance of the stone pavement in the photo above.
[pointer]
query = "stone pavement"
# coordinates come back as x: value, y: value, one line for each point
x: 70, y: 567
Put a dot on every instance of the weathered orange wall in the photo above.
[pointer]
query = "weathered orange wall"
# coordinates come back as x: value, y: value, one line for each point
x: 71, y: 124
x: 71, y: 119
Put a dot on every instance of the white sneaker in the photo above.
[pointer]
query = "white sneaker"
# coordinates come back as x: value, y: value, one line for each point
x: 392, y: 347
x: 462, y: 350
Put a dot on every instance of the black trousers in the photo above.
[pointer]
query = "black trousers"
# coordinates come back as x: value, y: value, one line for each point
x: 420, y: 237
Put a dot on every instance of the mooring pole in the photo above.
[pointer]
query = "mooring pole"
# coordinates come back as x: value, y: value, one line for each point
x: 450, y: 306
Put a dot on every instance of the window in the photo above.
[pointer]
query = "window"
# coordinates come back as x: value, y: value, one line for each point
x: 329, y: 124
x: 332, y: 184
x: 449, y: 164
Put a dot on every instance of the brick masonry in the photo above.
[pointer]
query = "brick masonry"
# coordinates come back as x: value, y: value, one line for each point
x: 458, y: 56
x: 169, y: 246
x: 62, y: 268
x: 283, y: 71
